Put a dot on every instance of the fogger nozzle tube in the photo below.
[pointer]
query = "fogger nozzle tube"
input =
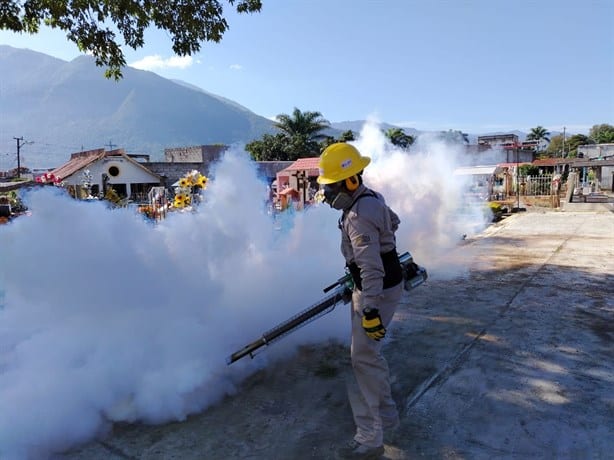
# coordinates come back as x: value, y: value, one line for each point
x: 413, y: 276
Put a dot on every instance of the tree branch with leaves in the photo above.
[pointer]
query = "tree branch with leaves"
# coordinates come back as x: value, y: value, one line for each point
x: 94, y: 26
x: 602, y: 134
x: 398, y: 137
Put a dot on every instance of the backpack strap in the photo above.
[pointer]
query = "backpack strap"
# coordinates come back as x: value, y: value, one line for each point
x: 368, y: 192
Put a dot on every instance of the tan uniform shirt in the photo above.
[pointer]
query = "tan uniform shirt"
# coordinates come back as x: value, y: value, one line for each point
x: 367, y: 231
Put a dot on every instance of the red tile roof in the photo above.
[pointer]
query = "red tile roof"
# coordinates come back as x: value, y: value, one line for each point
x: 304, y: 164
x: 511, y: 165
x: 77, y: 162
x: 549, y: 161
x: 80, y: 160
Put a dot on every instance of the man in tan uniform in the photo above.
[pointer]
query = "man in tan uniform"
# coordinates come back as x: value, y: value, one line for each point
x: 368, y: 245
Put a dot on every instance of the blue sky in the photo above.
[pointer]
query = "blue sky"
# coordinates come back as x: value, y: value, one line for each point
x: 474, y: 65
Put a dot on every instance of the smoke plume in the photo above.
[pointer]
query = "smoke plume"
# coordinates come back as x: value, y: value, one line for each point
x: 105, y: 317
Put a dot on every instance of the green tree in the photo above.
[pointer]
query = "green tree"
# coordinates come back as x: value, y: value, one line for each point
x: 92, y: 25
x: 304, y: 130
x: 602, y: 134
x: 572, y: 144
x: 269, y: 148
x: 309, y: 124
x: 398, y: 137
x: 347, y: 136
x: 528, y: 170
x: 539, y: 134
x: 555, y: 146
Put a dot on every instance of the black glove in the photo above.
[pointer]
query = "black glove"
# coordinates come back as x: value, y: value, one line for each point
x: 372, y: 324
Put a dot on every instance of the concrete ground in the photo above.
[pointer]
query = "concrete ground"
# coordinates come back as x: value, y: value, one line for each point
x: 513, y: 359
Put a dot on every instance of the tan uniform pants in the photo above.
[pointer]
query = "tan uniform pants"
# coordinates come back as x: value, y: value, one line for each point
x: 370, y: 397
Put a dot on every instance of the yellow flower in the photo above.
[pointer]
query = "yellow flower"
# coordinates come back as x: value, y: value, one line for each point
x: 181, y: 200
x: 184, y: 182
x: 201, y: 181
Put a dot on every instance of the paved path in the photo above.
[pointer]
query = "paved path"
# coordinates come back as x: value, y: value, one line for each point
x: 536, y: 380
x: 512, y: 359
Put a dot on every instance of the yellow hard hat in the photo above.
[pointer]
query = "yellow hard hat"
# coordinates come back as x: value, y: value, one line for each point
x: 340, y: 161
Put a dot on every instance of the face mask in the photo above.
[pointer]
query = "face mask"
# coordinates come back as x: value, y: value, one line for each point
x: 342, y: 201
x: 336, y: 196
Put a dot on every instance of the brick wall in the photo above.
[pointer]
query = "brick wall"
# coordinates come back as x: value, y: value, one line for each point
x: 172, y: 172
x: 194, y: 154
x: 182, y: 160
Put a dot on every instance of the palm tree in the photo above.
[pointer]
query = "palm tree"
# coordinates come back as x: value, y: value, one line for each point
x: 539, y: 134
x: 399, y: 138
x: 304, y: 130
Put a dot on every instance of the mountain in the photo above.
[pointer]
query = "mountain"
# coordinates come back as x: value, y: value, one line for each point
x: 63, y: 107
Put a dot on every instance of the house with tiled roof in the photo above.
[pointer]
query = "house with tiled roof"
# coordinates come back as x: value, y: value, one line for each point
x: 551, y: 165
x: 101, y: 170
x: 298, y: 182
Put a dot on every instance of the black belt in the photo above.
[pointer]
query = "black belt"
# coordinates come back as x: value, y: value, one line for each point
x: 393, y: 273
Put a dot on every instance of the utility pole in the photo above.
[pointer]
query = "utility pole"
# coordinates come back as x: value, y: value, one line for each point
x: 20, y: 143
x: 18, y: 139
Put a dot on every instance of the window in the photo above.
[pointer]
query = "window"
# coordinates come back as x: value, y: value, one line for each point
x: 113, y: 171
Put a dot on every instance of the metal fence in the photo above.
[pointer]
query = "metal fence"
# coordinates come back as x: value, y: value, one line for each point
x: 527, y: 185
x: 535, y: 185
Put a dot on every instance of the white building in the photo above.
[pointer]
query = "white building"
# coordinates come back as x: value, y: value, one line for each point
x: 101, y: 170
x: 599, y: 158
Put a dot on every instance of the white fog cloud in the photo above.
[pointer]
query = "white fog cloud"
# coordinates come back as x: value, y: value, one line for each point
x: 107, y: 318
x: 236, y: 67
x: 156, y: 62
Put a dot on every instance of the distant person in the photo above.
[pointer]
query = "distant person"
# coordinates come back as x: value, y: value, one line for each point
x: 555, y: 189
x: 368, y: 245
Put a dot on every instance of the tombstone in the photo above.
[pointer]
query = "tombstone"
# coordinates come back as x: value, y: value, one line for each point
x: 571, y: 185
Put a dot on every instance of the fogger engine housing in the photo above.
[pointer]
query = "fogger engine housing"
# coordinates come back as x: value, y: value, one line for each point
x: 413, y: 274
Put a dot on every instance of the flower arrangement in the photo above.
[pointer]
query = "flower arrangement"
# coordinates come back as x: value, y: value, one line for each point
x: 49, y: 178
x: 181, y: 200
x: 148, y: 210
x: 112, y: 196
x: 189, y: 185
